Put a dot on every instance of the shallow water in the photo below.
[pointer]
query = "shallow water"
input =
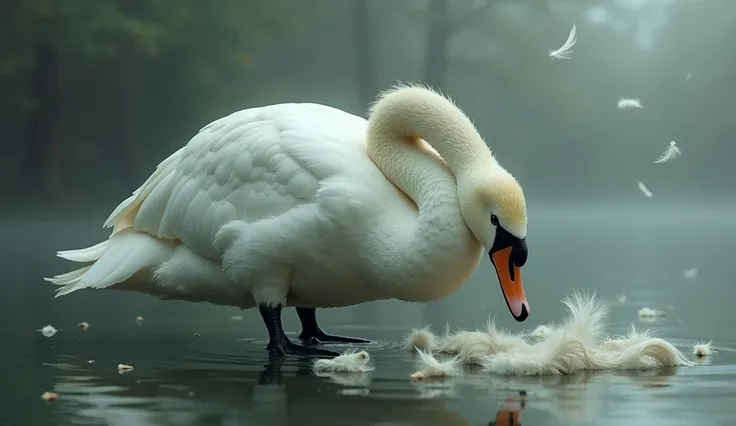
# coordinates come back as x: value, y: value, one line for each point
x: 223, y: 376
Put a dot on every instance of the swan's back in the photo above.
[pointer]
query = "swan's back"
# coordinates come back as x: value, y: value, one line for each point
x: 250, y: 165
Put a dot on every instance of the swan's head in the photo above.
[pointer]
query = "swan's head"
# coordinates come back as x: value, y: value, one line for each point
x: 494, y: 209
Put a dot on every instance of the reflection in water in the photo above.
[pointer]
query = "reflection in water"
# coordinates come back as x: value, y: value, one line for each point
x: 282, y: 392
x: 181, y: 380
x: 228, y: 389
x: 510, y: 412
x: 567, y: 398
x: 575, y: 397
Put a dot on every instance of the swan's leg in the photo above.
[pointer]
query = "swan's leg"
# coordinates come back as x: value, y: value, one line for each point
x: 312, y: 333
x: 279, y: 344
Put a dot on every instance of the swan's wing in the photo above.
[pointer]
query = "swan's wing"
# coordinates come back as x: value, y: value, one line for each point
x: 250, y: 165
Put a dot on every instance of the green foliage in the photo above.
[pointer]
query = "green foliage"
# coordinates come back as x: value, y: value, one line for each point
x: 130, y: 72
x: 207, y: 36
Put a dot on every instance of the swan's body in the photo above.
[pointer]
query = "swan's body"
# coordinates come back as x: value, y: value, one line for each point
x: 290, y: 205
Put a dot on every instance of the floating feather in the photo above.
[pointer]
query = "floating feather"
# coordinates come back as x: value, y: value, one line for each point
x: 430, y: 367
x: 628, y: 103
x: 647, y: 193
x: 48, y: 331
x: 649, y: 313
x: 702, y: 350
x: 669, y: 154
x: 124, y: 368
x: 566, y: 49
x: 350, y: 362
x: 49, y: 396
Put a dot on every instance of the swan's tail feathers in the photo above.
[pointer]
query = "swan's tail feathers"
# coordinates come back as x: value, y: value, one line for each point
x: 114, y: 262
x: 89, y: 254
x: 122, y: 217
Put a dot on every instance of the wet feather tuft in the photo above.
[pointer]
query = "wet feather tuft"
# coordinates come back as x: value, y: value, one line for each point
x: 349, y: 362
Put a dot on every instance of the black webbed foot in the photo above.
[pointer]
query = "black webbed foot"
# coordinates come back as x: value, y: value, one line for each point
x: 286, y: 347
x: 322, y: 337
x: 279, y: 345
x: 312, y: 334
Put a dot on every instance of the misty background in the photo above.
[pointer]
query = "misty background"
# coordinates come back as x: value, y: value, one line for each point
x: 96, y: 94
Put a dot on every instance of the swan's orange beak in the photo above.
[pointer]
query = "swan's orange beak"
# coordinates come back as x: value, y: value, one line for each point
x: 512, y: 286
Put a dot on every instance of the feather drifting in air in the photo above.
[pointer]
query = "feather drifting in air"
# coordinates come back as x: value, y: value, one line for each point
x: 566, y: 49
x: 669, y: 154
x: 691, y: 273
x: 626, y: 103
x: 644, y: 190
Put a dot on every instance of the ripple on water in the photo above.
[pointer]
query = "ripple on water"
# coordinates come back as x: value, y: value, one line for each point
x: 229, y: 379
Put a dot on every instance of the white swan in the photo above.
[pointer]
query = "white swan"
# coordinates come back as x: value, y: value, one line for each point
x: 308, y: 206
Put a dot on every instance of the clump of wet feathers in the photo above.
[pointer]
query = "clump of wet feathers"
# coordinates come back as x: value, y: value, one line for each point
x: 579, y: 343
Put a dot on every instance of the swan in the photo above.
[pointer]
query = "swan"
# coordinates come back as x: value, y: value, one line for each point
x: 307, y: 206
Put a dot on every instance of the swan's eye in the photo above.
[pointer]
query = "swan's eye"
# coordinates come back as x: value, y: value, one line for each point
x: 494, y: 219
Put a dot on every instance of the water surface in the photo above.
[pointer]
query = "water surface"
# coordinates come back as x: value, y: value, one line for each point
x: 222, y: 376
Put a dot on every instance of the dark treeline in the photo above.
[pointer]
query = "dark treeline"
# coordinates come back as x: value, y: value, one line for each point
x: 95, y: 94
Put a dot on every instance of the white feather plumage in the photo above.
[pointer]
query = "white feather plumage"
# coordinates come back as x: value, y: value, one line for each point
x: 644, y: 190
x: 565, y: 51
x: 670, y: 153
x: 307, y: 205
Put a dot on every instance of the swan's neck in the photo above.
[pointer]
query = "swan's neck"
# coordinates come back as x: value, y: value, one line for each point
x: 437, y: 251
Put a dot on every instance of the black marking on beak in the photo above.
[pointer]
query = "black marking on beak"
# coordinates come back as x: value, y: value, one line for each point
x: 519, y: 250
x: 524, y: 314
